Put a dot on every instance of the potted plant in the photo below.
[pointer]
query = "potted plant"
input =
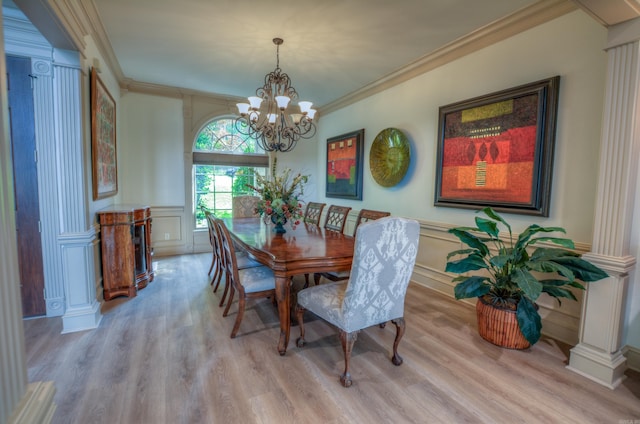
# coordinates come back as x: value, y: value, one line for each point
x: 515, y: 276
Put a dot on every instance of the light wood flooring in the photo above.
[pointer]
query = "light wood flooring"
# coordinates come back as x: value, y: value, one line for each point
x: 165, y: 356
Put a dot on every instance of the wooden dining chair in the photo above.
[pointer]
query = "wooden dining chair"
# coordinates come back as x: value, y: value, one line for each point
x: 216, y: 260
x: 335, y: 221
x: 365, y: 215
x: 383, y: 261
x: 243, y: 260
x: 244, y: 206
x: 313, y: 212
x: 336, y: 218
x: 250, y: 283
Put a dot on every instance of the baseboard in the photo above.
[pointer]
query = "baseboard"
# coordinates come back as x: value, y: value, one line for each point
x: 36, y: 406
x: 633, y: 357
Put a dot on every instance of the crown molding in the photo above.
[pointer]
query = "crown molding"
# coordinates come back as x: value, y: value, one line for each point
x: 522, y: 20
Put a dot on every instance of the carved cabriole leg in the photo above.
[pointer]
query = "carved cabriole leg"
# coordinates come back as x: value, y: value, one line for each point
x: 399, y: 322
x: 347, y: 340
x: 299, y: 316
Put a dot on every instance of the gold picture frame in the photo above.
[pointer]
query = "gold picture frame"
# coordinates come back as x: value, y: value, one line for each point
x: 104, y: 159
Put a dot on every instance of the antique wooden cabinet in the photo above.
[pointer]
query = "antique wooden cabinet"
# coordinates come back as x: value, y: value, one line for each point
x: 125, y: 240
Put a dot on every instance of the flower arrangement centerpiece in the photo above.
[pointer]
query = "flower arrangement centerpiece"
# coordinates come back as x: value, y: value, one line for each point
x: 280, y: 197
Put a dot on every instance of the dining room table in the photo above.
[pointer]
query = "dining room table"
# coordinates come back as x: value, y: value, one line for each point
x: 305, y: 249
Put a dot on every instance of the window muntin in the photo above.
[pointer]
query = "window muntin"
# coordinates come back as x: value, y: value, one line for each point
x: 224, y: 162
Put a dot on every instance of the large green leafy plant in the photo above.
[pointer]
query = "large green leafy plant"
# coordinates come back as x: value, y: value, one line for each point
x: 515, y: 277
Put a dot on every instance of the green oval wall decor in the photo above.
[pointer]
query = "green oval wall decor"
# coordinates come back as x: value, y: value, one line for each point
x: 389, y: 157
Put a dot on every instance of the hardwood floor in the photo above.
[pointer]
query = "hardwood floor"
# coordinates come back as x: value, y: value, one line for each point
x: 165, y: 356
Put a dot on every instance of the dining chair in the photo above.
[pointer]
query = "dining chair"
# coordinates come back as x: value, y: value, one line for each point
x: 313, y: 212
x: 383, y: 261
x: 336, y: 218
x: 244, y: 206
x: 365, y: 215
x: 216, y: 260
x: 243, y: 260
x: 250, y: 283
x: 335, y: 221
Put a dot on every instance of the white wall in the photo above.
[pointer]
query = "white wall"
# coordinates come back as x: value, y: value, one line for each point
x: 151, y: 165
x: 570, y: 46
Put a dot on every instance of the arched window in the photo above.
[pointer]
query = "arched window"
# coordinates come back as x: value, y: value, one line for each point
x: 224, y: 162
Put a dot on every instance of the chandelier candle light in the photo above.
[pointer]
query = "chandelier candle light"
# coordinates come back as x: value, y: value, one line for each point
x: 266, y: 119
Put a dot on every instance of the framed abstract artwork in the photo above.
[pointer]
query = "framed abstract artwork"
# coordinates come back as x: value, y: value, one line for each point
x: 344, y: 165
x: 497, y: 150
x: 103, y: 140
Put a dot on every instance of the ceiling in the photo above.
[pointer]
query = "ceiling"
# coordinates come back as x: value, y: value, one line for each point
x: 331, y: 47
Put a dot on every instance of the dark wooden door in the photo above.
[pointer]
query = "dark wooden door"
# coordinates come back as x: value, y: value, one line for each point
x: 23, y: 144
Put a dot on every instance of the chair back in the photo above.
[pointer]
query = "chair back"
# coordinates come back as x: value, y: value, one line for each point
x: 228, y: 254
x: 336, y: 218
x: 244, y: 206
x: 383, y: 261
x: 366, y: 215
x: 313, y: 212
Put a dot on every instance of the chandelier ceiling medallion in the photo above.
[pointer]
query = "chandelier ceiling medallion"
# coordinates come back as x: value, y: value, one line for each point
x: 267, y: 119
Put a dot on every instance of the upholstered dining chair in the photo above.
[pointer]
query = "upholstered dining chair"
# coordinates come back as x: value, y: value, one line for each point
x: 250, y: 283
x: 383, y: 261
x: 243, y: 259
x: 244, y: 206
x: 365, y: 215
x: 313, y: 212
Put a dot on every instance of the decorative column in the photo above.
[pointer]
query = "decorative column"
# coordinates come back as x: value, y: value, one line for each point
x: 598, y: 354
x: 19, y: 402
x: 77, y: 238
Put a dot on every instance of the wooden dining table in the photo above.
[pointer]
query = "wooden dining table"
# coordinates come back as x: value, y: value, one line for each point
x: 307, y: 249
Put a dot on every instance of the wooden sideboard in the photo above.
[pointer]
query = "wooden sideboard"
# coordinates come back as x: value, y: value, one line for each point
x: 125, y: 241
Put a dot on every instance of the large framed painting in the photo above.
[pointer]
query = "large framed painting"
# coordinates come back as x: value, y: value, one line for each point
x: 103, y: 140
x: 497, y: 150
x: 344, y: 165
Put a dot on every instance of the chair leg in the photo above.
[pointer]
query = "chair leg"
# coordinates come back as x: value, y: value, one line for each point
x: 347, y: 340
x: 217, y: 275
x: 227, y: 284
x: 306, y: 281
x: 299, y: 316
x: 397, y: 359
x: 232, y: 292
x: 316, y: 278
x: 213, y: 259
x: 241, y: 302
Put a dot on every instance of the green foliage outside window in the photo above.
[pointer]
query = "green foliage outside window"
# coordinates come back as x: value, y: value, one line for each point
x: 216, y: 185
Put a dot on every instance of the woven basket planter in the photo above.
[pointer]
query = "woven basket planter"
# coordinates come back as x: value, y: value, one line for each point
x: 499, y: 326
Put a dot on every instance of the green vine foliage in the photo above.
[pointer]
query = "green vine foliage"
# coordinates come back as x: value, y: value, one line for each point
x: 513, y: 277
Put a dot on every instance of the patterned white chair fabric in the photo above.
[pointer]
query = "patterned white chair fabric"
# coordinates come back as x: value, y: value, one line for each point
x: 365, y: 215
x: 250, y: 283
x: 383, y: 261
x: 244, y: 206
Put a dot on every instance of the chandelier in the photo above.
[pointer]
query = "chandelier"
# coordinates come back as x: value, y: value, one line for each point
x: 267, y: 119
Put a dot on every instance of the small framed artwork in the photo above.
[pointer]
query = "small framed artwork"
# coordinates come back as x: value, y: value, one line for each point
x: 497, y: 150
x: 344, y: 165
x: 103, y: 140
